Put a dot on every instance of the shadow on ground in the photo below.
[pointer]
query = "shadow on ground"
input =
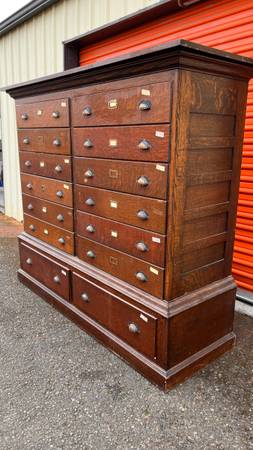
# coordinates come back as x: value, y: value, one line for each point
x: 60, y: 389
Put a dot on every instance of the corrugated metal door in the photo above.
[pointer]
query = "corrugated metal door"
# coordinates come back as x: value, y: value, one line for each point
x: 226, y: 25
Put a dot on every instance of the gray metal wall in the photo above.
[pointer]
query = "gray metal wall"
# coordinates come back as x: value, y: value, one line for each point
x: 35, y: 49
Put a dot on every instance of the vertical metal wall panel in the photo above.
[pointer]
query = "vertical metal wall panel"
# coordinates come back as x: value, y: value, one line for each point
x: 226, y: 25
x: 34, y: 49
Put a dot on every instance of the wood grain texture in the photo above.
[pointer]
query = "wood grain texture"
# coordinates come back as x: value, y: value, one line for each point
x: 51, y: 166
x: 44, y: 140
x: 43, y: 114
x: 48, y: 189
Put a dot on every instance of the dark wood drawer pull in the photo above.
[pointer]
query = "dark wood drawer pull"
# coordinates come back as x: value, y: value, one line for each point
x: 29, y: 261
x: 32, y: 227
x: 133, y: 328
x: 28, y: 163
x: 57, y: 142
x: 58, y: 168
x: 59, y: 194
x: 60, y: 218
x: 87, y: 111
x: 57, y: 279
x: 61, y: 240
x: 29, y: 186
x: 144, y: 145
x: 24, y: 116
x: 143, y: 181
x: 90, y: 254
x: 145, y: 105
x: 90, y: 228
x: 89, y: 173
x: 85, y: 297
x: 26, y: 140
x: 90, y: 202
x: 30, y: 207
x: 141, y: 277
x: 87, y: 143
x: 143, y: 215
x: 142, y: 247
x: 55, y: 114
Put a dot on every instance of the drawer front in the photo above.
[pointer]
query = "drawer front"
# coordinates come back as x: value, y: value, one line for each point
x: 135, y: 241
x: 53, y: 275
x: 139, y: 143
x: 132, y: 270
x: 53, y: 140
x: 62, y: 239
x: 58, y: 215
x: 54, y: 190
x: 53, y: 166
x: 137, y: 104
x: 142, y: 212
x: 48, y: 113
x: 131, y: 324
x: 148, y: 179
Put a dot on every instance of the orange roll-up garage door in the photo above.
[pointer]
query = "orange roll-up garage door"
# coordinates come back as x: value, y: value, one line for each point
x: 226, y: 25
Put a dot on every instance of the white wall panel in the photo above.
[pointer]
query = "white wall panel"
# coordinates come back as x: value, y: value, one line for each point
x: 35, y: 49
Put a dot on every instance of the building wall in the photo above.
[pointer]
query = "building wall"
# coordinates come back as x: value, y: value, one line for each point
x: 35, y: 49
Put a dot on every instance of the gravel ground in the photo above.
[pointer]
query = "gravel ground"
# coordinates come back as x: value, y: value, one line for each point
x: 60, y: 389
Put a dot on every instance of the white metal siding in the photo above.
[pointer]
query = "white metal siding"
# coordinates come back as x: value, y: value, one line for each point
x: 35, y: 49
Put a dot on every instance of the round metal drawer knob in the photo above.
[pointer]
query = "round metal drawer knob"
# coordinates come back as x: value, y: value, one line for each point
x: 142, y: 247
x: 143, y: 181
x: 85, y: 297
x: 28, y: 163
x: 133, y: 328
x: 57, y: 279
x: 24, y: 116
x: 143, y: 215
x: 61, y: 240
x: 87, y: 111
x: 141, y: 276
x: 87, y: 143
x: 26, y: 140
x: 145, y: 105
x: 30, y: 207
x: 90, y: 254
x: 58, y: 168
x: 29, y: 261
x: 60, y: 218
x: 89, y: 173
x: 57, y: 142
x: 29, y: 186
x: 32, y: 227
x: 55, y: 114
x: 59, y: 194
x: 144, y: 145
x: 90, y: 202
x: 90, y: 228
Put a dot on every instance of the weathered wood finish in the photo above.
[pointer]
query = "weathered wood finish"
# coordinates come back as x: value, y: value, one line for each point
x: 53, y: 166
x: 156, y: 286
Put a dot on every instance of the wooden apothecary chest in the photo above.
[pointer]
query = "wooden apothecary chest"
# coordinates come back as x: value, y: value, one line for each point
x: 130, y: 173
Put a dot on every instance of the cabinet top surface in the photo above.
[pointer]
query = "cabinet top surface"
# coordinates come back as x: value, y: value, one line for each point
x: 172, y: 55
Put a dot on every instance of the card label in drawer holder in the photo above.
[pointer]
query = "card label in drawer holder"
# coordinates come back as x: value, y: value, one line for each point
x: 113, y: 173
x: 64, y: 273
x: 143, y: 317
x: 113, y: 103
x: 113, y: 142
x: 39, y: 112
x: 63, y: 104
x: 66, y: 161
x: 159, y: 134
x: 46, y: 231
x: 42, y: 164
x: 66, y: 186
x: 153, y: 270
x: 156, y: 239
x: 113, y: 260
x: 145, y: 92
x: 114, y: 234
x: 113, y: 204
x: 160, y: 167
x: 44, y: 209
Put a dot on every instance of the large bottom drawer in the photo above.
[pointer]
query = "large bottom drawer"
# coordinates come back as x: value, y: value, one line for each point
x: 131, y: 324
x: 147, y: 277
x: 53, y: 275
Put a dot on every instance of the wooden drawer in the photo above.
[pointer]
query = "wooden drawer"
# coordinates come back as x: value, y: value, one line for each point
x: 149, y: 103
x: 53, y: 166
x: 54, y: 190
x: 142, y: 212
x: 48, y: 113
x: 53, y: 275
x: 58, y: 215
x: 137, y: 143
x: 135, y: 241
x: 134, y: 326
x: 148, y: 179
x: 51, y: 140
x: 127, y: 268
x: 62, y: 239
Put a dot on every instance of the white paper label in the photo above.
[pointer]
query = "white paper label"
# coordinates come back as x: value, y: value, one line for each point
x: 145, y: 92
x: 113, y: 103
x: 66, y: 186
x: 114, y: 233
x: 113, y: 204
x: 63, y: 272
x: 42, y: 164
x: 160, y: 167
x: 39, y: 112
x: 63, y: 104
x: 143, y: 318
x: 44, y: 209
x: 66, y: 161
x: 159, y: 134
x: 46, y: 231
x: 153, y: 270
x: 113, y: 142
x: 156, y: 239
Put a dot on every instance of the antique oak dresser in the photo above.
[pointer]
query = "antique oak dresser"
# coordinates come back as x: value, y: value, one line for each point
x: 130, y: 177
